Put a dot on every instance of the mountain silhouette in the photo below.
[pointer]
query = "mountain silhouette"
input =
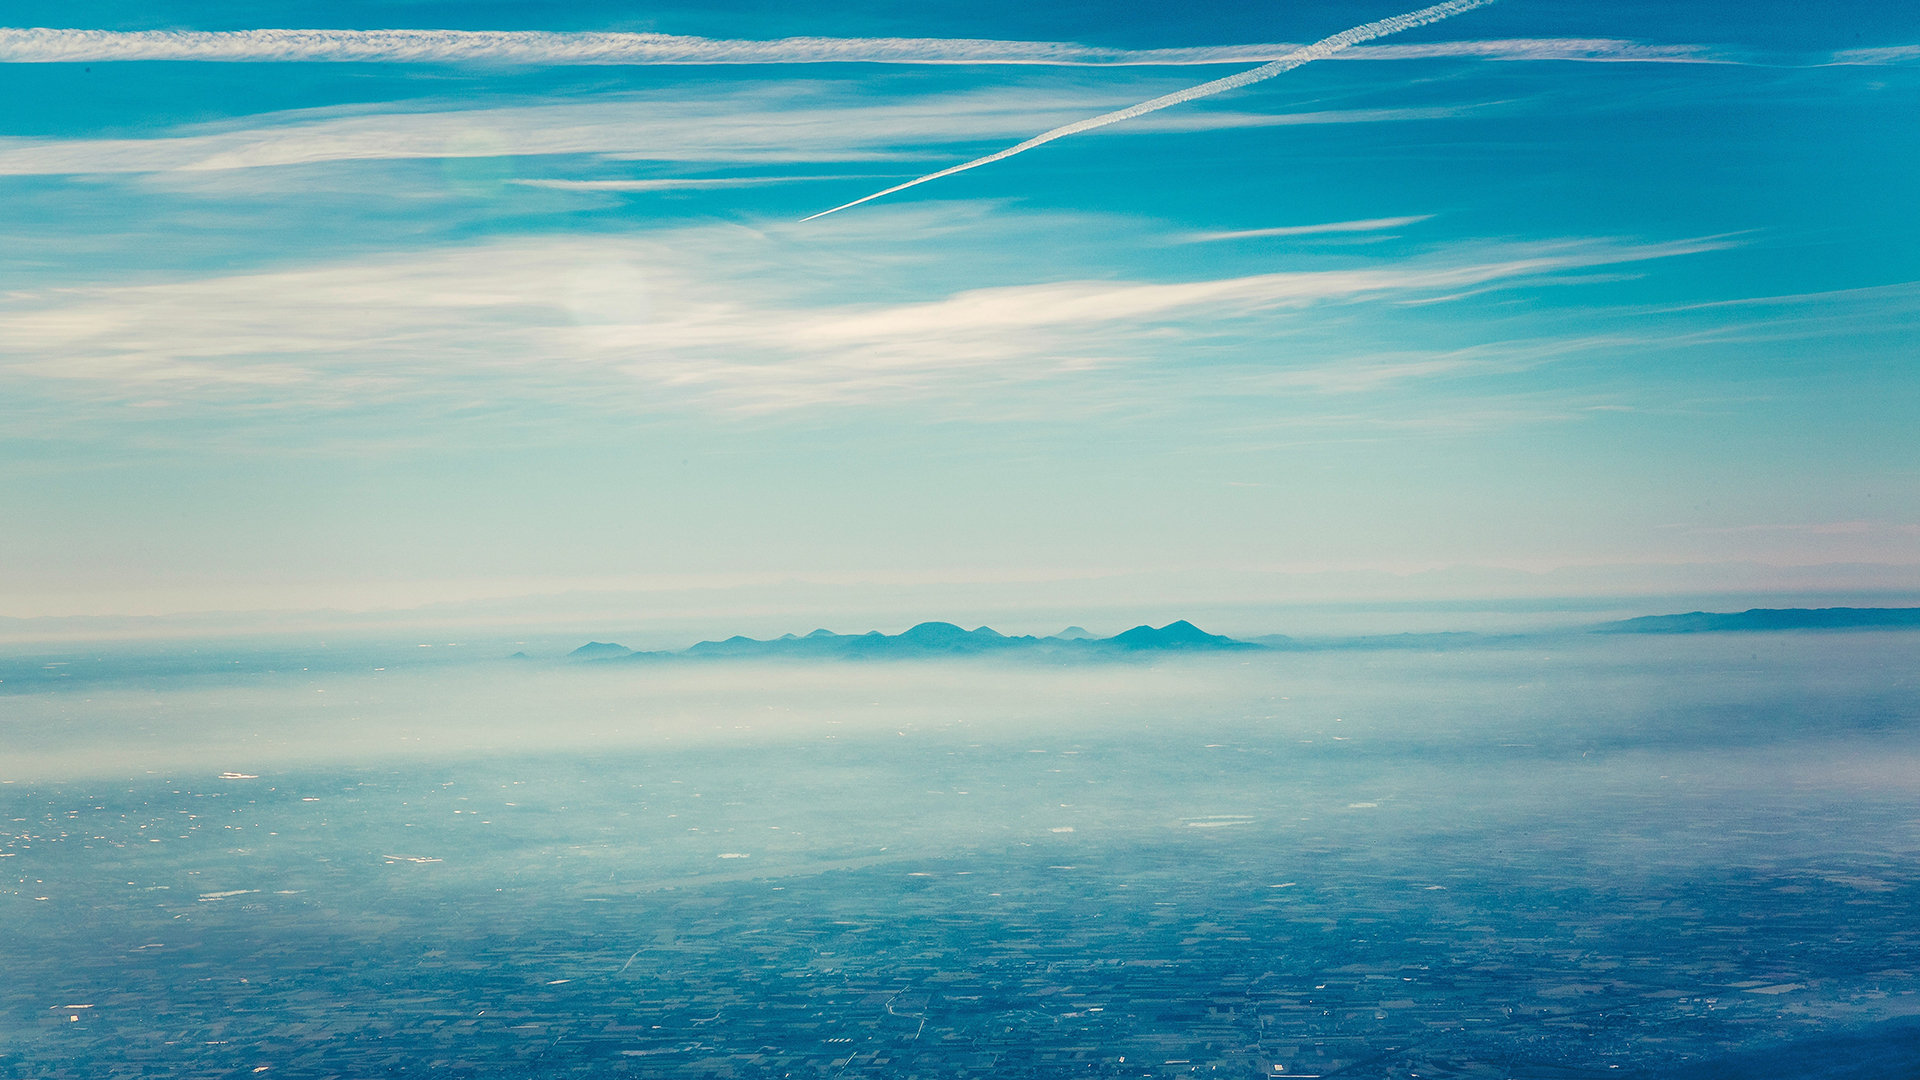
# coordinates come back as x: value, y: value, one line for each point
x: 936, y: 639
x: 598, y: 650
x: 1759, y: 619
x: 1175, y: 635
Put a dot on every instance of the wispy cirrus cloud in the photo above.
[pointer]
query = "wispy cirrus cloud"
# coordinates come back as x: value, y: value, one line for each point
x: 1886, y: 54
x: 1585, y: 50
x: 677, y: 183
x: 776, y: 123
x: 59, y: 45
x: 634, y: 319
x: 1366, y: 225
x: 1907, y: 291
x: 765, y: 123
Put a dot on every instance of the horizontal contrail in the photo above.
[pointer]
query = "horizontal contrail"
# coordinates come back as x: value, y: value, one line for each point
x: 544, y: 47
x: 1306, y: 54
x: 62, y: 46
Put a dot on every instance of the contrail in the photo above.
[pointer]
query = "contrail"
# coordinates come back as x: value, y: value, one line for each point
x: 548, y: 48
x: 45, y: 46
x: 1306, y: 54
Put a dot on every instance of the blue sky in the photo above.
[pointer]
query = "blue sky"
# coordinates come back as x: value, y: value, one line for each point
x: 1544, y: 285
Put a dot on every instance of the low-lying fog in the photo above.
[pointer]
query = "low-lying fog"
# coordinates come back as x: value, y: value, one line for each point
x: 1694, y: 846
x: 1669, y: 731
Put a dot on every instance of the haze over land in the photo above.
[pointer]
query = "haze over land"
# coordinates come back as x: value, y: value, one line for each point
x: 1622, y: 849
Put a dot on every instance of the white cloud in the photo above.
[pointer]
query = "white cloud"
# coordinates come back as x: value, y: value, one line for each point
x: 721, y: 318
x: 1889, y: 54
x: 1217, y: 119
x: 769, y: 123
x: 1367, y: 225
x: 43, y: 45
x: 1906, y: 292
x: 1597, y: 50
x: 678, y: 183
x: 549, y: 49
x: 760, y: 125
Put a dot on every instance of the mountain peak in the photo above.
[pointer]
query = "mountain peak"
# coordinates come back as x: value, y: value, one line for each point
x: 925, y: 630
x: 598, y: 650
x: 1179, y: 634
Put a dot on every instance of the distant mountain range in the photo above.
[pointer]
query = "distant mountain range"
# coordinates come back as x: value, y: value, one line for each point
x: 1760, y: 619
x: 937, y: 639
x: 931, y: 639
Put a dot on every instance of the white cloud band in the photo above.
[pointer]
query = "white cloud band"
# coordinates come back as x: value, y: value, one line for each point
x: 48, y: 46
x: 581, y: 319
x: 781, y: 122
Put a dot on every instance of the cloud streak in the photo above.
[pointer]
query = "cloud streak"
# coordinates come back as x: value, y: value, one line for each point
x: 678, y: 183
x: 520, y: 47
x: 784, y: 122
x: 1890, y: 54
x: 1325, y: 47
x: 600, y: 322
x: 546, y: 48
x: 1367, y: 225
x: 776, y: 122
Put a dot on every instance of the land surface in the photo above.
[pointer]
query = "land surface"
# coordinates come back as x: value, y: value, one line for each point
x: 1766, y: 619
x: 1624, y: 856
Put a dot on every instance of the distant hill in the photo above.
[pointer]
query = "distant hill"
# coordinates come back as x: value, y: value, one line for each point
x: 598, y: 650
x: 936, y: 639
x: 1174, y: 635
x: 926, y: 639
x: 1763, y: 619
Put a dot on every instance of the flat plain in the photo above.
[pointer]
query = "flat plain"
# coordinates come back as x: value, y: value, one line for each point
x: 1596, y: 856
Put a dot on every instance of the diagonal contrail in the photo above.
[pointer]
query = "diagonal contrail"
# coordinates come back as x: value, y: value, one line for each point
x: 1306, y: 54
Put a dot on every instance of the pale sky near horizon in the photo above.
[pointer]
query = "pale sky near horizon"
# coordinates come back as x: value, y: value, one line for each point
x: 1544, y: 285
